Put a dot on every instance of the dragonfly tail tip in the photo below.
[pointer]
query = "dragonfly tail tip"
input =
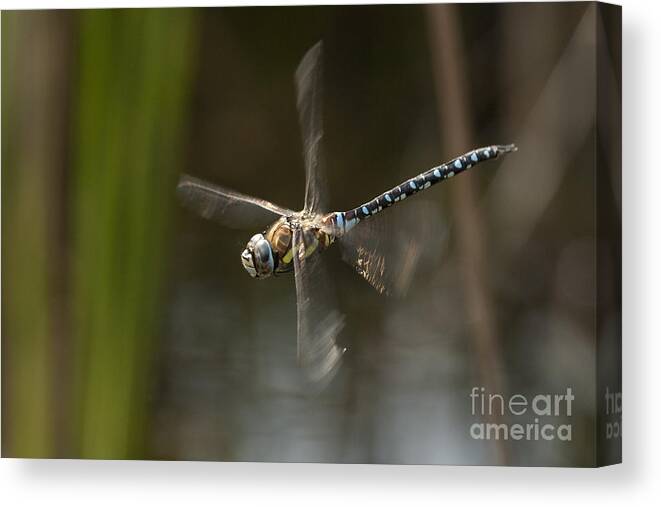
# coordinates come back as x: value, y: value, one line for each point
x: 508, y: 148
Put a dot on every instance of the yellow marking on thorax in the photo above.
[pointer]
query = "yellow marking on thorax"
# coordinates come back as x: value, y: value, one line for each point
x: 308, y: 251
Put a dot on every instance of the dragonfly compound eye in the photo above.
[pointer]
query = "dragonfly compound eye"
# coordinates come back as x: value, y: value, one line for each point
x: 248, y: 263
x: 257, y: 258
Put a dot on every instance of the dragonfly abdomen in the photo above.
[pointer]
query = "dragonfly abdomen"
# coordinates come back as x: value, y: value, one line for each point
x: 345, y: 221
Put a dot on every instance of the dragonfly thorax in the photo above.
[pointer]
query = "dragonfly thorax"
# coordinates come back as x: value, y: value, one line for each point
x: 272, y: 252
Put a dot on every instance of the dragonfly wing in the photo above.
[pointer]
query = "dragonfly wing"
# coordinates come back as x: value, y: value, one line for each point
x: 319, y: 321
x: 308, y: 79
x: 227, y: 207
x: 388, y: 249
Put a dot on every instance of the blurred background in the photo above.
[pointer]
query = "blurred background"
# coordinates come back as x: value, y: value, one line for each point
x: 129, y: 328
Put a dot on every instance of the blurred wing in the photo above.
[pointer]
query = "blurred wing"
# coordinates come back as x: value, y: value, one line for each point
x: 319, y: 321
x: 227, y: 207
x: 309, y: 103
x: 388, y: 249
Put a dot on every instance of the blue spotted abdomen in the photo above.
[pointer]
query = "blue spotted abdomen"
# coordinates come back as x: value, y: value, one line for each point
x: 344, y: 221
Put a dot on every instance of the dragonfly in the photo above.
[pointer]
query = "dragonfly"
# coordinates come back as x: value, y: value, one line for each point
x: 294, y: 240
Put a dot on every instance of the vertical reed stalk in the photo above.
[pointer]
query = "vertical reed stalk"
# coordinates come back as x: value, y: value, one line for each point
x: 448, y: 58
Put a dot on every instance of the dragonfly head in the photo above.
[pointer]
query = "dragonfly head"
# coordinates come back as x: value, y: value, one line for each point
x: 257, y: 258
